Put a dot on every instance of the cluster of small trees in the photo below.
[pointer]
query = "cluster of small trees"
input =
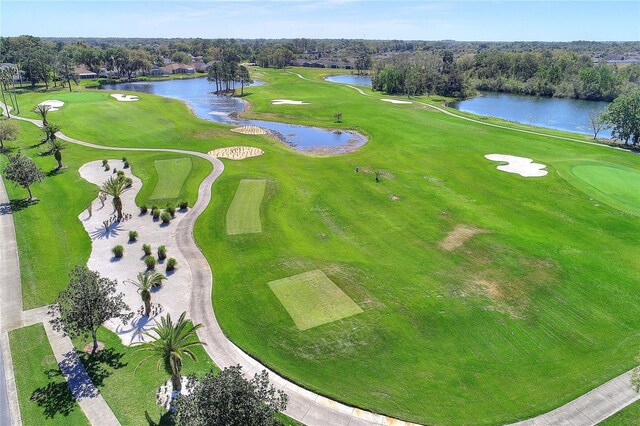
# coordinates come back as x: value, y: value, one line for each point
x: 226, y: 72
x: 418, y: 74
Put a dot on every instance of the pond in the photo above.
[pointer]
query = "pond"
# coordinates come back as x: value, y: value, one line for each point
x: 358, y: 80
x: 554, y: 113
x: 197, y: 93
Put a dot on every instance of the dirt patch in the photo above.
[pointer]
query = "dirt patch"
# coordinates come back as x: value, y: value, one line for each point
x: 393, y: 197
x: 490, y: 288
x: 460, y: 235
x: 89, y: 347
x: 236, y: 152
x: 250, y: 130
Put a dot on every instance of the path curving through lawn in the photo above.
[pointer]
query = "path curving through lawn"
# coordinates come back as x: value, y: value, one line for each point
x: 304, y: 405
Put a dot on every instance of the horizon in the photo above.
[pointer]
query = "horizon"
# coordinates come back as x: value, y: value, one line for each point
x: 506, y: 21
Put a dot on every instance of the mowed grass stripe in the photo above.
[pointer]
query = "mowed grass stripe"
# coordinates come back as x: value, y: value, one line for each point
x: 312, y: 299
x: 171, y: 177
x: 243, y: 216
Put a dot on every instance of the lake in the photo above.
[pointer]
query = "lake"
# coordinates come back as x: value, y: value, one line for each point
x: 358, y: 80
x: 197, y: 94
x: 554, y: 113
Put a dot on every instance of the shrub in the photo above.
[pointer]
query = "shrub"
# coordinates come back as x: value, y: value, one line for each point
x: 143, y: 209
x: 162, y: 253
x: 150, y: 261
x: 133, y: 235
x: 166, y: 217
x: 154, y: 207
x: 171, y: 264
x: 155, y: 213
x: 183, y: 205
x: 104, y: 163
x: 128, y: 182
x: 171, y: 209
x: 114, y: 170
x: 106, y: 167
x: 118, y: 251
x: 124, y: 159
x: 147, y: 249
x: 119, y: 173
x: 126, y: 165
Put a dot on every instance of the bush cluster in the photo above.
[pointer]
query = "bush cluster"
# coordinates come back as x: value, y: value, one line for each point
x: 171, y: 264
x: 118, y: 251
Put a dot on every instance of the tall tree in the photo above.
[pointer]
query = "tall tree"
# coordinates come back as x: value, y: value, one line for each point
x: 623, y: 114
x: 145, y: 283
x: 363, y: 62
x: 42, y: 110
x: 170, y: 344
x: 115, y: 186
x: 55, y: 147
x: 88, y: 302
x: 231, y: 400
x: 9, y: 131
x: 22, y: 171
x: 244, y: 78
x: 596, y: 123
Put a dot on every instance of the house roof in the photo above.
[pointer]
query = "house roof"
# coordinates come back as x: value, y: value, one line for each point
x: 175, y: 66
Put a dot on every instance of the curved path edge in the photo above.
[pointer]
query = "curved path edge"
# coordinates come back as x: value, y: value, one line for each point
x: 309, y: 407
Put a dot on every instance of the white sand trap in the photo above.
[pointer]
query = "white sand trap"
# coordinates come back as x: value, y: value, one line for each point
x: 124, y: 98
x: 236, y: 152
x: 175, y: 293
x: 287, y: 102
x: 395, y: 101
x: 520, y: 165
x: 250, y: 130
x: 54, y: 104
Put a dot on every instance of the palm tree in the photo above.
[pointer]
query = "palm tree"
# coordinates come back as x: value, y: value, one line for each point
x: 115, y: 186
x: 171, y: 343
x: 145, y: 282
x: 42, y: 110
x: 56, y: 147
x: 50, y: 130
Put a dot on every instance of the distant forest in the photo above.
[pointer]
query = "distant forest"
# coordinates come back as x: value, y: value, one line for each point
x: 581, y: 69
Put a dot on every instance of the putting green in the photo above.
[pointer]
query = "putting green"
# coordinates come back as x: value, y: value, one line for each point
x: 615, y: 185
x: 243, y: 216
x: 171, y: 176
x: 312, y: 299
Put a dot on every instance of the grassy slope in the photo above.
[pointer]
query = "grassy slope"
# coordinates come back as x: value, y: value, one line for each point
x: 430, y: 340
x: 629, y: 416
x: 431, y: 346
x: 44, y: 268
x: 37, y: 373
x: 129, y: 393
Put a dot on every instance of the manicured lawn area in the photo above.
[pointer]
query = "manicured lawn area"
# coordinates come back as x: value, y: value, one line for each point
x: 43, y: 394
x: 171, y: 177
x: 312, y: 299
x: 243, y: 216
x: 629, y: 416
x: 52, y: 223
x: 547, y: 297
x: 132, y: 394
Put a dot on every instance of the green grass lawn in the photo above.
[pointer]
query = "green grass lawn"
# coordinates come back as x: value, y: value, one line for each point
x: 629, y: 416
x: 44, y: 267
x: 132, y: 394
x: 171, y: 177
x: 312, y: 299
x: 547, y: 297
x: 243, y: 216
x: 43, y: 394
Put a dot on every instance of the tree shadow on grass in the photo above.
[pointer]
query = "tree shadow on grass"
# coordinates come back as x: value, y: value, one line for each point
x: 16, y: 205
x: 100, y: 365
x: 55, y: 397
x: 165, y: 419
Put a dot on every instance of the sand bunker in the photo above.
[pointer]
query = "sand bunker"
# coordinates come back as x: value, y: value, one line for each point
x: 236, y: 152
x: 53, y: 104
x: 250, y: 130
x: 287, y: 102
x: 124, y: 98
x: 460, y: 235
x: 520, y: 165
x: 395, y: 101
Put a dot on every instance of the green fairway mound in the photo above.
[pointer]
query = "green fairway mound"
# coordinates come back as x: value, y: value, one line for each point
x: 312, y: 299
x: 613, y: 184
x: 171, y: 177
x: 243, y: 216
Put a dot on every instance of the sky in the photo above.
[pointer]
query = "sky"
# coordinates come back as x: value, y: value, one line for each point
x: 480, y: 20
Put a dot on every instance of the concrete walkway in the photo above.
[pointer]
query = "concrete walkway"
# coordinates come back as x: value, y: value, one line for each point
x: 305, y: 406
